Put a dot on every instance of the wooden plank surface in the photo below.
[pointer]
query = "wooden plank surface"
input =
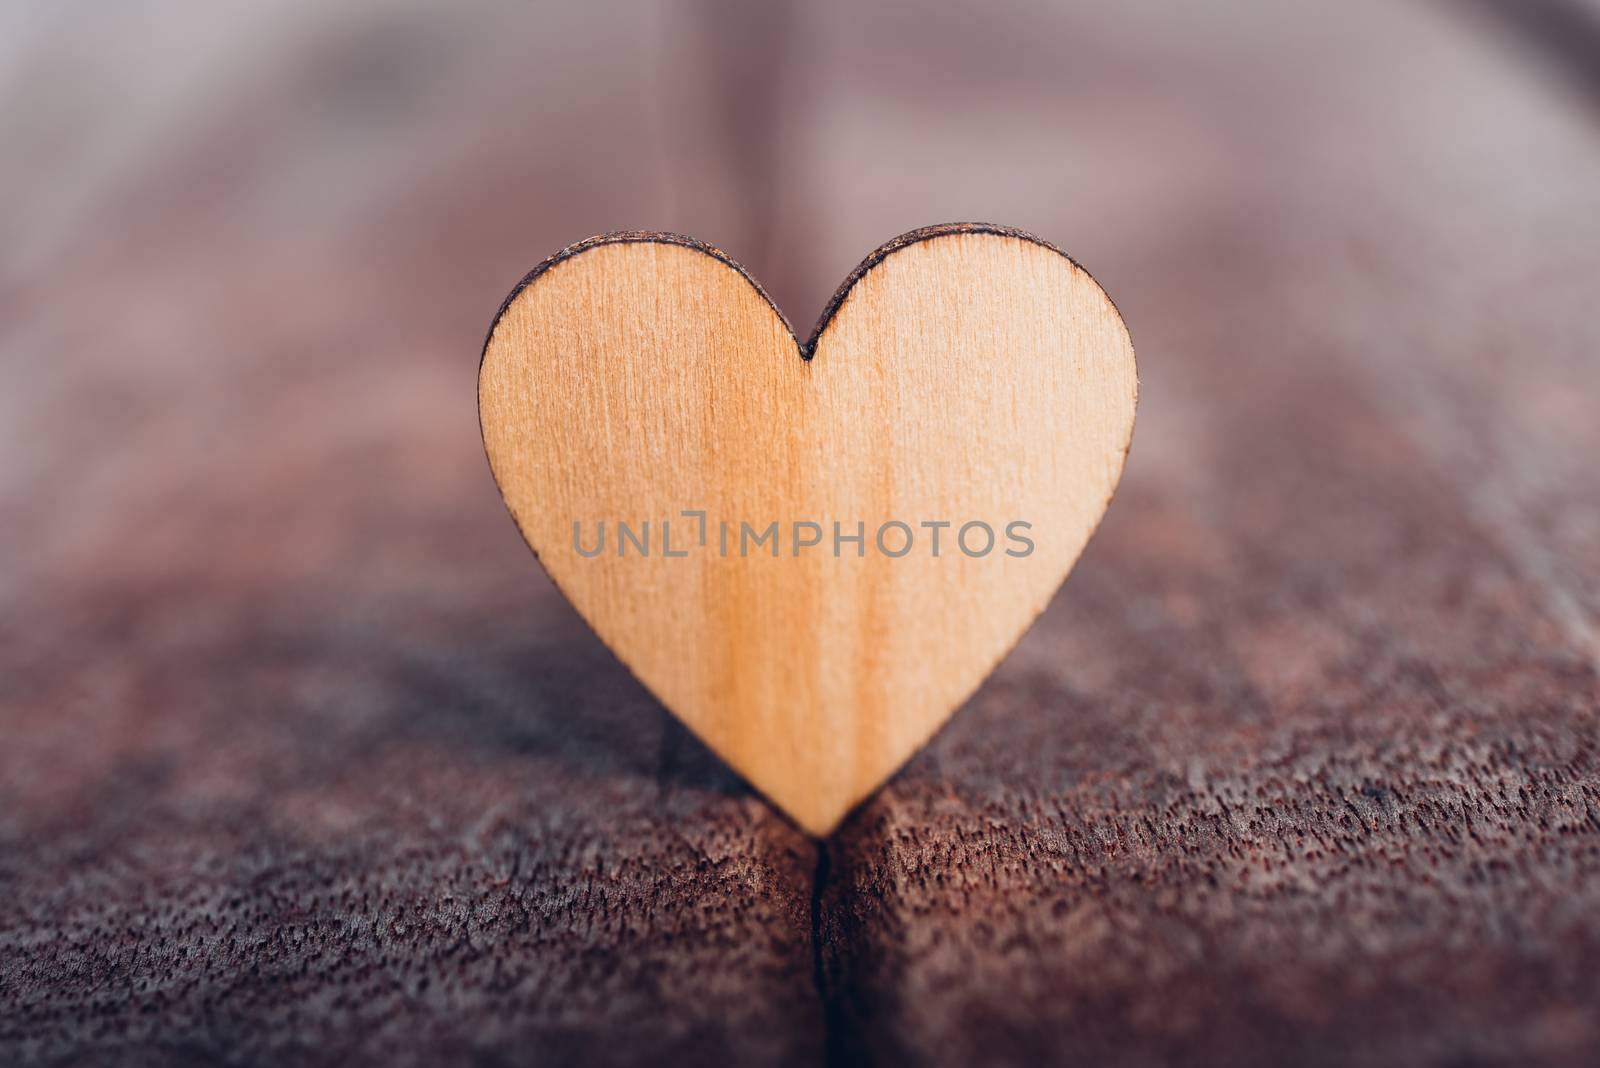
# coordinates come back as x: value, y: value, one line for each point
x: 1302, y: 766
x: 303, y: 761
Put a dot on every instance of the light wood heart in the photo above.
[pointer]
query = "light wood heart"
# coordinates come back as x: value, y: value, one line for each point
x: 962, y: 375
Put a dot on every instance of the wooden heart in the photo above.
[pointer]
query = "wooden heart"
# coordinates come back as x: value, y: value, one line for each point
x: 650, y: 416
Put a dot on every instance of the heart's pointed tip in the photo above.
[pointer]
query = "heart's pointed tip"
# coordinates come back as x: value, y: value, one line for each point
x: 819, y: 828
x: 815, y: 814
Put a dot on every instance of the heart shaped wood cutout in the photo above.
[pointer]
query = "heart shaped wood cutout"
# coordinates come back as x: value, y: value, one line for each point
x: 812, y: 554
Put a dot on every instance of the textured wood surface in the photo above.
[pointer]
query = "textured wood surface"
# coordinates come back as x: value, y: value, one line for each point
x: 806, y: 620
x: 301, y: 761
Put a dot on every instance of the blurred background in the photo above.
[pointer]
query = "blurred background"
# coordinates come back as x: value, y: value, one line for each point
x: 277, y: 672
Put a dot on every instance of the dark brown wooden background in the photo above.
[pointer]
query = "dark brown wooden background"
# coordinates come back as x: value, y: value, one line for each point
x: 303, y: 761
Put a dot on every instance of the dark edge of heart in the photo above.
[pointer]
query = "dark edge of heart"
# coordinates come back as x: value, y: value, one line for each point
x: 806, y: 350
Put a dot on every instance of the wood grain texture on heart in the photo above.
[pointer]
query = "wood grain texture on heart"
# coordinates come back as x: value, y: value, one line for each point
x: 964, y: 409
